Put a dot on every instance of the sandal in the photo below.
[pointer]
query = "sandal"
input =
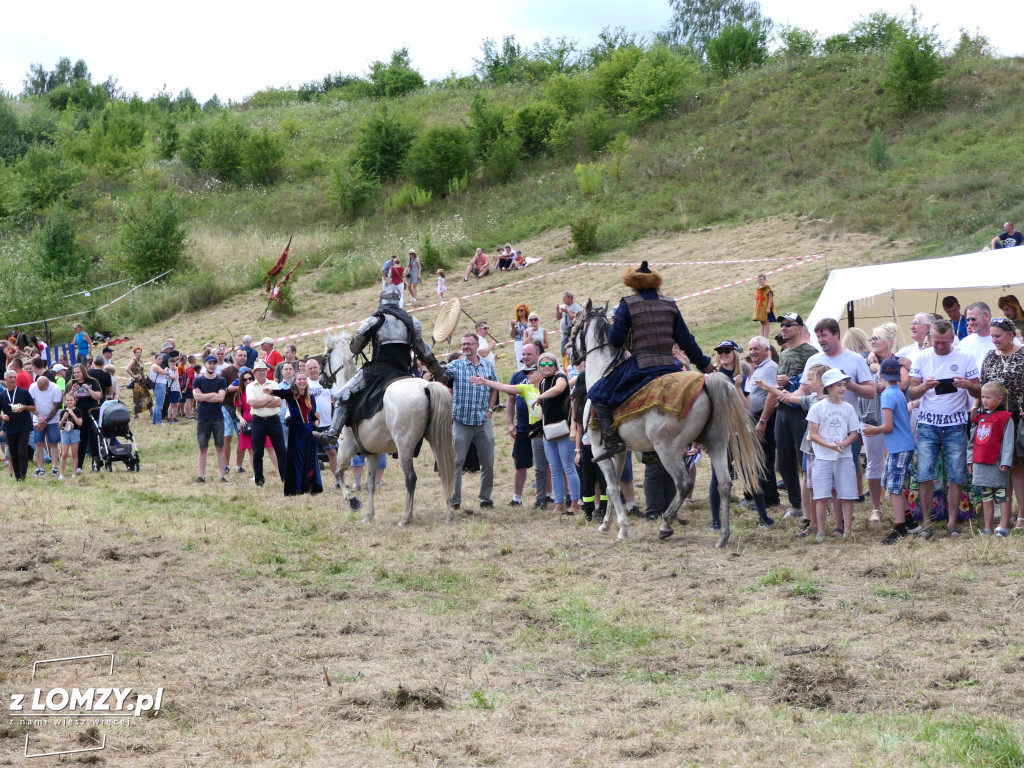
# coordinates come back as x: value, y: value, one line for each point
x: 837, y: 531
x: 876, y: 516
x: 953, y: 533
x: 1018, y: 527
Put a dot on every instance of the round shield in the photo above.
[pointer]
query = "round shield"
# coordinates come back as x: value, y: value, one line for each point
x: 447, y: 320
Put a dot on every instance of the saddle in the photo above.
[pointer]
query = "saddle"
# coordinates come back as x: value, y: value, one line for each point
x: 674, y: 392
x: 368, y: 402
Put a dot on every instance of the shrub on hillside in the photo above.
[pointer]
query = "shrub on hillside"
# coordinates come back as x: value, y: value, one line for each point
x: 395, y: 78
x: 62, y: 261
x: 262, y: 154
x: 215, y: 147
x: 798, y: 43
x: 430, y: 258
x: 655, y: 84
x: 532, y: 123
x: 486, y: 123
x: 12, y: 143
x: 437, y: 156
x: 408, y: 198
x: 737, y: 47
x: 382, y: 145
x: 568, y: 93
x: 502, y: 159
x: 583, y: 231
x: 351, y: 189
x: 45, y: 177
x: 912, y: 70
x: 878, y: 150
x: 608, y: 75
x: 153, y: 237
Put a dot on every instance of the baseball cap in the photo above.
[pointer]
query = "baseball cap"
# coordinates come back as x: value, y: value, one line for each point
x: 890, y: 369
x: 166, y: 345
x: 58, y: 368
x: 209, y: 359
x: 729, y: 345
x: 833, y: 376
x: 791, y: 317
x: 267, y: 340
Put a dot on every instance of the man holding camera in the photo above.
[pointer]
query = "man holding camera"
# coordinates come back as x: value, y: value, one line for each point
x: 944, y: 379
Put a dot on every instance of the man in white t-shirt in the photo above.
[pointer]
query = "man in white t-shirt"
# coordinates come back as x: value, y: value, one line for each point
x: 944, y: 378
x: 486, y: 350
x: 978, y: 342
x: 47, y: 398
x: 835, y: 355
x: 325, y: 407
x: 919, y: 328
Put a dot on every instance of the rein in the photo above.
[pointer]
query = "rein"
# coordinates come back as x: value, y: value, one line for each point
x: 581, y: 354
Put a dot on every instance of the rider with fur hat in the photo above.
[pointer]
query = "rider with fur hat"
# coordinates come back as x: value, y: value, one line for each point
x: 395, y: 335
x: 647, y: 324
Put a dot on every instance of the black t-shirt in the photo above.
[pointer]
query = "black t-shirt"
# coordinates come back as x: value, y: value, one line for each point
x: 1009, y: 241
x: 555, y: 409
x: 208, y: 386
x: 86, y: 402
x: 105, y: 382
x: 71, y: 425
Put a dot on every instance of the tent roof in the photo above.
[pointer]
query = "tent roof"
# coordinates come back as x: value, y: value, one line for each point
x: 896, y: 292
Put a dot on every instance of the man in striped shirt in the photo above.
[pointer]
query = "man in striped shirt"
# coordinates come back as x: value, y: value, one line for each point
x: 472, y: 408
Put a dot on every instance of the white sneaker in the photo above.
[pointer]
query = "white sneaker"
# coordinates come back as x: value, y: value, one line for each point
x: 78, y: 471
x: 60, y: 477
x: 793, y: 512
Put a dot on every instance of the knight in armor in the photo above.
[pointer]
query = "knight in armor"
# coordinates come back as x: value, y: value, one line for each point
x: 395, y: 335
x: 647, y: 324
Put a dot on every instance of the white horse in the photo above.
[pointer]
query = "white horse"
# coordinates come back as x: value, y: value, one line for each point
x: 413, y: 410
x: 719, y: 421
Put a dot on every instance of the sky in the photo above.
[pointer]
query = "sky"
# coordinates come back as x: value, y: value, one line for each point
x: 234, y: 50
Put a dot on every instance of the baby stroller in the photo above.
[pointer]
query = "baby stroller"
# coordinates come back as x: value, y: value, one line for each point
x: 114, y: 422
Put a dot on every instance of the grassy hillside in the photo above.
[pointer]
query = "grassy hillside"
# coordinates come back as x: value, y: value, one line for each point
x: 791, y: 136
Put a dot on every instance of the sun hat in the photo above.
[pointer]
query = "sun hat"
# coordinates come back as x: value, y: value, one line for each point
x: 833, y: 376
x: 260, y: 365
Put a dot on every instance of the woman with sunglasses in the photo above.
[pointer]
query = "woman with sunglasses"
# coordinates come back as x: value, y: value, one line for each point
x: 518, y: 331
x: 535, y: 332
x: 559, y: 450
x: 1005, y: 364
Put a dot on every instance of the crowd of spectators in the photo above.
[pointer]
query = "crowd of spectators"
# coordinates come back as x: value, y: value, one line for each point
x: 846, y: 419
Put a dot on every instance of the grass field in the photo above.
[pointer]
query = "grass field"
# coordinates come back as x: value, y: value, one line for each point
x: 285, y: 632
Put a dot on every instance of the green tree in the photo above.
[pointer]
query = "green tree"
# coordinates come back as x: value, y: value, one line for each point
x: 350, y: 189
x: 655, y: 84
x: 798, y: 43
x: 262, y: 155
x: 45, y: 177
x: 394, y: 78
x: 737, y: 47
x: 532, y: 123
x: 62, y: 261
x: 502, y: 158
x: 695, y: 23
x: 912, y: 70
x: 153, y: 236
x: 437, y: 156
x: 12, y: 142
x: 486, y: 122
x: 382, y: 144
x: 507, y: 65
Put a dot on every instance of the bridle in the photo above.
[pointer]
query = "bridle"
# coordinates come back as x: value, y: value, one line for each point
x: 330, y: 373
x: 578, y: 334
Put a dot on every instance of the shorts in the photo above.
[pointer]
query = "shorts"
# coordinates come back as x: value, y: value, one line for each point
x: 808, y: 466
x: 71, y: 438
x: 897, y: 468
x: 174, y: 397
x: 839, y: 475
x: 359, y: 461
x: 51, y: 435
x: 207, y: 427
x: 188, y: 394
x: 999, y: 495
x: 951, y: 441
x: 230, y: 425
x: 522, y: 449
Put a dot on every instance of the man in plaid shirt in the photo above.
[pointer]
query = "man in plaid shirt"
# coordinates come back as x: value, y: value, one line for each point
x: 472, y: 408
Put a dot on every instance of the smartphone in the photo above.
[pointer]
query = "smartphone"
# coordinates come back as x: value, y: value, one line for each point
x: 945, y: 387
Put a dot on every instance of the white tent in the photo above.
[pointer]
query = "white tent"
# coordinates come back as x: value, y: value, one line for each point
x: 896, y: 292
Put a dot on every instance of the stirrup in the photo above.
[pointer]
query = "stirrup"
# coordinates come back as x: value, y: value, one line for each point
x: 616, y: 447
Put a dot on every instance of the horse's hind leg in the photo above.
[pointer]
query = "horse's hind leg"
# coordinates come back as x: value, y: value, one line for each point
x: 717, y: 449
x: 676, y: 468
x: 405, y: 459
x: 370, y: 473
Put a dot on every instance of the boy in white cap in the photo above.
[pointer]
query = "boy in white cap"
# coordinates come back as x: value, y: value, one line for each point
x: 833, y: 426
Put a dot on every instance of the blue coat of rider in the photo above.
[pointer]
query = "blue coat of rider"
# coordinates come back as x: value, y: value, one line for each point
x: 395, y: 335
x: 647, y: 324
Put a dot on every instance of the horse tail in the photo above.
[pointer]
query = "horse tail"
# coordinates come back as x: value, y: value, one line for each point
x: 439, y: 434
x: 731, y: 415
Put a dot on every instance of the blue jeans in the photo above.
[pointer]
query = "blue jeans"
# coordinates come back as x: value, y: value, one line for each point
x: 159, y: 393
x: 561, y: 454
x: 950, y: 441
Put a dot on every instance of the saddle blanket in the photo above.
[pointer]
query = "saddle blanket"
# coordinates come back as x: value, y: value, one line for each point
x: 675, y: 393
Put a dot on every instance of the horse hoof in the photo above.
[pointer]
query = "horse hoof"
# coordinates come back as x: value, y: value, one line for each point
x: 366, y: 521
x: 402, y: 523
x: 355, y: 504
x: 664, y: 533
x: 603, y: 528
x: 720, y: 544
